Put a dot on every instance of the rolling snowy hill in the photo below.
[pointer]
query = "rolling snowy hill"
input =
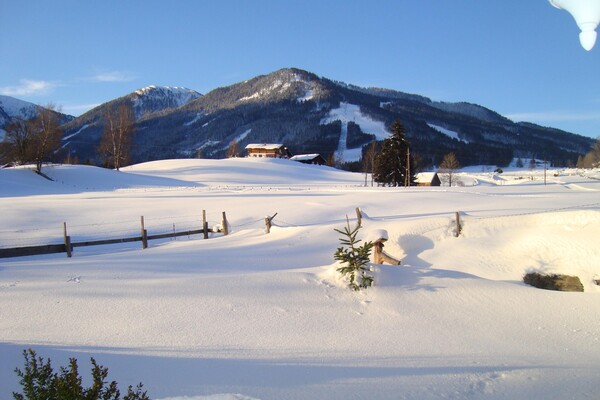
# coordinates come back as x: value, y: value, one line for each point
x: 266, y: 316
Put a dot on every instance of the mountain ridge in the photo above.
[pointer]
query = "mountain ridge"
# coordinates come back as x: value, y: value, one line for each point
x: 310, y: 114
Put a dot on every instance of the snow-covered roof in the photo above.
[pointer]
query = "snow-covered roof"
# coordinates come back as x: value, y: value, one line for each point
x: 304, y: 157
x: 424, y: 177
x: 264, y: 146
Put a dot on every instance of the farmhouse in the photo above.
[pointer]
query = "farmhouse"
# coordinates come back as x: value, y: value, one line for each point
x: 315, y: 159
x: 427, y: 179
x: 268, y: 150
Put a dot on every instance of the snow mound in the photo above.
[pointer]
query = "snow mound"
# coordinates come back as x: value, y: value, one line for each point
x: 23, y: 181
x: 247, y: 172
x: 225, y: 396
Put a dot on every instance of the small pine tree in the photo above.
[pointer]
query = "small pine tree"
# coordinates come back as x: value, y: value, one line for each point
x: 40, y: 382
x: 354, y: 258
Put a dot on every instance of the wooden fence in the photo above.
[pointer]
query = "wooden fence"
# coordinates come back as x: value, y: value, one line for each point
x: 68, y: 245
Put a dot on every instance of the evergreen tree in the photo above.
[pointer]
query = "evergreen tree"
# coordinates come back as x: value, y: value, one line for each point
x: 40, y: 382
x: 354, y: 258
x: 392, y: 165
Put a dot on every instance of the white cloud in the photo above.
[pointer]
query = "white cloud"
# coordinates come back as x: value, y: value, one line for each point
x: 113, y: 76
x: 558, y: 116
x: 28, y: 87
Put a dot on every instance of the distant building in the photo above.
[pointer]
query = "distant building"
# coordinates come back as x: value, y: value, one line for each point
x: 267, y: 150
x: 427, y: 179
x: 315, y: 159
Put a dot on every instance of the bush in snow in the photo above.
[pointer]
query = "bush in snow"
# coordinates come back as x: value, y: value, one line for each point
x: 354, y: 258
x: 40, y: 382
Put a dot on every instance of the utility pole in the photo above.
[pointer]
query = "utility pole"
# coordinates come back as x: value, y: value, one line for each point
x: 407, y: 176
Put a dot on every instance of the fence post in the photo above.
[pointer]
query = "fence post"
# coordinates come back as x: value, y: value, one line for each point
x: 458, y: 226
x: 67, y: 238
x: 144, y: 235
x: 224, y: 225
x: 268, y: 223
x: 358, y: 217
x: 204, y: 224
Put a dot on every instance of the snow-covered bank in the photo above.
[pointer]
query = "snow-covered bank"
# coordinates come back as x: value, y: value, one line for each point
x: 267, y: 316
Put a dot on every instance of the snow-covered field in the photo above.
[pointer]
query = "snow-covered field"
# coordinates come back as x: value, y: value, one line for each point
x: 266, y: 316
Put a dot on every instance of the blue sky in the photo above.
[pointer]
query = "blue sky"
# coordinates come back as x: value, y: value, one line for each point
x: 521, y: 58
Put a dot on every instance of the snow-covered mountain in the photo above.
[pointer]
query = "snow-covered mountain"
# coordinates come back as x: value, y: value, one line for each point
x: 312, y: 114
x: 82, y: 135
x: 11, y: 108
x: 153, y: 99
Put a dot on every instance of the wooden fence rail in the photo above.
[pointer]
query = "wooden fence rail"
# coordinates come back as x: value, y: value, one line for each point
x: 68, y: 245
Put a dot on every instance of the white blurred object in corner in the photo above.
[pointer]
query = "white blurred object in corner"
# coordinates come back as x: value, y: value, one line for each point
x: 587, y: 16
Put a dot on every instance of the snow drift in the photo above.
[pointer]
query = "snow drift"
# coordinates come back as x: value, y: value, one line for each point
x: 263, y: 316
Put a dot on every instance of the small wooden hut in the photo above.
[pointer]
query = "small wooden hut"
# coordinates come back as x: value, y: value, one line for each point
x: 315, y: 159
x: 428, y: 179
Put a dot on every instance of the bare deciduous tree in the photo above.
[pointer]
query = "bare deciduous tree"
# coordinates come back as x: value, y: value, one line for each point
x: 233, y: 150
x: 448, y: 167
x: 17, y: 145
x: 46, y: 135
x: 591, y: 159
x: 115, y: 145
x: 369, y: 160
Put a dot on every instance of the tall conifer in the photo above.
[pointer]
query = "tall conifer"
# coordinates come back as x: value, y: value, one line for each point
x: 392, y: 164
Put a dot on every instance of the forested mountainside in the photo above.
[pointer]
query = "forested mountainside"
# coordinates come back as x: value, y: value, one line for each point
x: 312, y: 114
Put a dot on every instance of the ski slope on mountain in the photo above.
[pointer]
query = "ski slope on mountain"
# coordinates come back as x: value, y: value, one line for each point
x: 351, y: 113
x: 266, y: 316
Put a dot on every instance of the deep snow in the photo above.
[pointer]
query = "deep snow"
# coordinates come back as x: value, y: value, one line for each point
x: 263, y: 316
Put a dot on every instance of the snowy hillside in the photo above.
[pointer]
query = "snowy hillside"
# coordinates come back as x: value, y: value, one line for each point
x: 351, y: 113
x: 158, y: 98
x: 14, y: 108
x: 266, y: 316
x: 315, y: 115
x: 11, y: 108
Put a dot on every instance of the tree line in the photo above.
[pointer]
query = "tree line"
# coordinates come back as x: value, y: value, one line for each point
x: 38, y: 140
x: 32, y: 141
x: 592, y: 158
x: 392, y: 163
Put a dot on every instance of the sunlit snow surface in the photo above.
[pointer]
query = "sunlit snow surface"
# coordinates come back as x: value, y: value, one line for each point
x: 257, y: 316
